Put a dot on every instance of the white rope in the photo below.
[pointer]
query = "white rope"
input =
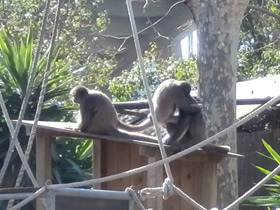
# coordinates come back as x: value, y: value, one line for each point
x: 29, y: 199
x: 12, y: 144
x: 25, y: 102
x: 41, y: 99
x: 165, y: 191
x: 253, y: 189
x: 146, y: 85
x: 168, y: 159
x: 135, y: 197
x: 42, y: 94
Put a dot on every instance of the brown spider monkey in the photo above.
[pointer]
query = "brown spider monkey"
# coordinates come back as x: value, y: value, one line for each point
x: 99, y: 116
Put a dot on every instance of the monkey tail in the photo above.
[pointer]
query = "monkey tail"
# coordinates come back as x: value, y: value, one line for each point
x: 218, y: 149
x: 133, y: 136
x: 134, y: 128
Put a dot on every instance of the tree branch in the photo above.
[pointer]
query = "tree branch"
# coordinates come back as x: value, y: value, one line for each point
x: 264, y: 11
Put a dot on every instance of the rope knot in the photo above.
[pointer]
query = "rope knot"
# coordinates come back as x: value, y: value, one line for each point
x: 133, y: 192
x: 167, y: 188
x: 165, y: 191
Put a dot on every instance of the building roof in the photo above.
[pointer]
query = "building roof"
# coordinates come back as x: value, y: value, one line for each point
x: 258, y: 88
x: 261, y: 88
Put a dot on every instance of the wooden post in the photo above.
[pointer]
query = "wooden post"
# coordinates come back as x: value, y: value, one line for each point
x: 43, y: 161
x: 154, y: 175
x: 209, y: 184
x: 154, y: 179
x: 96, y: 162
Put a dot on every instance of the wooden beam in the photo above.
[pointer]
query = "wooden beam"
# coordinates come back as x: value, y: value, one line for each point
x: 155, y: 179
x: 43, y: 161
x: 143, y: 104
x: 96, y: 162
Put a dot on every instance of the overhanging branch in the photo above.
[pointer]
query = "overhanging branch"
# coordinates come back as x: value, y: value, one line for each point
x: 260, y: 9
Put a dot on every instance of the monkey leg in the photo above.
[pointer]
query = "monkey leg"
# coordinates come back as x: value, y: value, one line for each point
x: 181, y: 128
x: 167, y: 140
x: 178, y: 131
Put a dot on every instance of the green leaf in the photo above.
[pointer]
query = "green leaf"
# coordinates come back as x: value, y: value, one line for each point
x: 271, y: 151
x: 266, y: 156
x: 84, y: 150
x: 265, y: 171
x: 273, y: 9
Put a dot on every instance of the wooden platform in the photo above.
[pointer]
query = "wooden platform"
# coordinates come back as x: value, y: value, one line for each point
x: 66, y: 129
x: 112, y: 155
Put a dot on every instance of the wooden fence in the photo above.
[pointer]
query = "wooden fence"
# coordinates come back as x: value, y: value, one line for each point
x: 249, y: 144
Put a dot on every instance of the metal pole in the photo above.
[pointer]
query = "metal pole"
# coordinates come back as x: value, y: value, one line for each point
x: 50, y: 200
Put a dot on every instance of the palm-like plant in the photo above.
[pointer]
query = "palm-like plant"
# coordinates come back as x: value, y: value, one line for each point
x: 15, y: 66
x: 16, y: 58
x: 273, y: 197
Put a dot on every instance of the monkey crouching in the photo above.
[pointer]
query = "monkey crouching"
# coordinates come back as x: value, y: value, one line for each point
x: 98, y: 115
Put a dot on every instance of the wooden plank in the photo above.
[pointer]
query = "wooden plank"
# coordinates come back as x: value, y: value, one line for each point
x: 43, y: 161
x: 136, y: 161
x: 155, y: 179
x: 198, y: 187
x: 96, y: 162
x: 117, y: 160
x: 209, y: 184
x: 122, y: 163
x: 66, y: 129
x: 187, y: 181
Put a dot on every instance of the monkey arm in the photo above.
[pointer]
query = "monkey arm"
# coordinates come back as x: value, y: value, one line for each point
x: 178, y: 130
x: 192, y: 108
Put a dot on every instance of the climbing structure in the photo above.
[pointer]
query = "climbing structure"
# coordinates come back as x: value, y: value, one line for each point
x: 189, y: 177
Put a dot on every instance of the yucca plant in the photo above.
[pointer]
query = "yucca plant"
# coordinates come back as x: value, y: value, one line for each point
x: 15, y: 66
x: 273, y: 190
x: 16, y: 59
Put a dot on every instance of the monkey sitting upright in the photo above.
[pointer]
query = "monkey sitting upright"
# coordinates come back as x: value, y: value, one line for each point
x: 188, y: 127
x: 169, y: 97
x: 99, y: 116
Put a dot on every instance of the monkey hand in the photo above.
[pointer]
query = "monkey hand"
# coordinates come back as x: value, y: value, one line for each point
x: 79, y: 127
x: 168, y: 140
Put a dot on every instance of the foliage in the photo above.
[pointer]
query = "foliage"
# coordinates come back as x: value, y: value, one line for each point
x: 15, y: 63
x: 80, y: 24
x: 16, y: 60
x: 70, y: 163
x: 259, y: 53
x: 273, y: 199
x: 129, y: 85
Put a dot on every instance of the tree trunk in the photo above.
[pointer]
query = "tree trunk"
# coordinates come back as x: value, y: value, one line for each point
x: 218, y: 24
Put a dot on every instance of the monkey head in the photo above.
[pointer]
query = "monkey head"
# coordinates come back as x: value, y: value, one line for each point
x: 79, y: 92
x: 186, y: 87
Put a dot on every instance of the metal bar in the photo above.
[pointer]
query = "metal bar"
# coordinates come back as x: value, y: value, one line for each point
x: 50, y: 200
x: 132, y: 205
x: 143, y: 104
x: 73, y: 192
x: 99, y: 194
x: 15, y: 196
